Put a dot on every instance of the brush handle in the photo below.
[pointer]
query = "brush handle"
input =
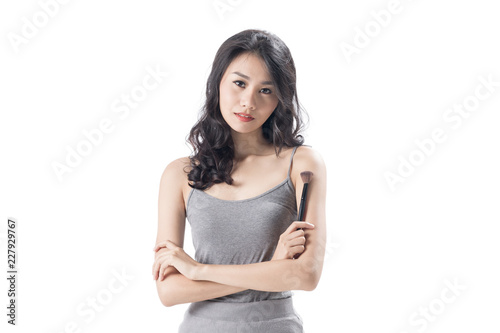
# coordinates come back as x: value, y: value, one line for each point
x: 302, y: 207
x: 303, y: 202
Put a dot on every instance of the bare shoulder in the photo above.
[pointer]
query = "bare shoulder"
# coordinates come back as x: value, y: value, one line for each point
x: 174, y: 181
x: 307, y: 157
x: 177, y: 166
x: 176, y: 171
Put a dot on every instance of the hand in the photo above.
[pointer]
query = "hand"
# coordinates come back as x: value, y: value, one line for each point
x: 292, y: 242
x: 176, y: 257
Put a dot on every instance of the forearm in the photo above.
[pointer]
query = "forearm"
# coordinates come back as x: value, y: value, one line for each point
x: 177, y: 289
x: 274, y: 276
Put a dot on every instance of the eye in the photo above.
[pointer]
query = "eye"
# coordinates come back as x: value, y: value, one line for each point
x: 239, y: 83
x: 266, y: 91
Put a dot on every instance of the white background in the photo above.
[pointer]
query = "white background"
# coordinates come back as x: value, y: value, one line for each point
x: 389, y: 252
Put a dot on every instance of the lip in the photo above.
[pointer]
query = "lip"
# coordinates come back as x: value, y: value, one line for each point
x: 244, y: 119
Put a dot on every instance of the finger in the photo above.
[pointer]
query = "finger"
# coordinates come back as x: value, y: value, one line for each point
x: 296, y: 234
x: 296, y: 241
x: 170, y: 245
x: 156, y: 266
x: 159, y: 245
x: 161, y: 251
x: 161, y: 275
x: 158, y: 249
x: 159, y: 272
x: 297, y: 250
x: 299, y: 225
x: 304, y: 225
x: 296, y: 256
x: 165, y: 262
x: 155, y: 269
x: 294, y: 251
x: 167, y: 244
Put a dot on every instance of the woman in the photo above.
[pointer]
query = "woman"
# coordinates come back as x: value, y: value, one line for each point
x: 240, y: 191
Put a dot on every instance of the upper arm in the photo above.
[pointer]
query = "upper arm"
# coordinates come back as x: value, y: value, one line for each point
x: 171, y: 211
x: 311, y: 260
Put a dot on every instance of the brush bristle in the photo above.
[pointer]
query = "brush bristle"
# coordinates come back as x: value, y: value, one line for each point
x: 306, y: 176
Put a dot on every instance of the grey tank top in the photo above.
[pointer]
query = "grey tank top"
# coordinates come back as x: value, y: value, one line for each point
x: 237, y: 232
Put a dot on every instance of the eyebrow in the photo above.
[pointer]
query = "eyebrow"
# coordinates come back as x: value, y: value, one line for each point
x: 248, y: 78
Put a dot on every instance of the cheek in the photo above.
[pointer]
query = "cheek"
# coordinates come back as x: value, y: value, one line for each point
x: 226, y: 98
x: 271, y: 104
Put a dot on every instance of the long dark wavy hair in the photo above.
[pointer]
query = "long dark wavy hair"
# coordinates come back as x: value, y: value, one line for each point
x: 210, y: 137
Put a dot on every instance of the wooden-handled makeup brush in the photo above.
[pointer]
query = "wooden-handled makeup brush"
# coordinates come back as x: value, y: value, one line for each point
x: 306, y: 178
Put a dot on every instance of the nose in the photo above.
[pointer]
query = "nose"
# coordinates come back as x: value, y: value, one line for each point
x: 247, y: 99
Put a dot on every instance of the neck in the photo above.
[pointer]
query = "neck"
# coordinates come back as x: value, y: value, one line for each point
x: 246, y: 144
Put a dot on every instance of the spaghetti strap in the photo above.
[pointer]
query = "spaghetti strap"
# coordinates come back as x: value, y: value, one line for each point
x: 291, y: 158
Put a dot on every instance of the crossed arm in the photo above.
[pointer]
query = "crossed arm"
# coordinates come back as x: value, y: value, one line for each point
x: 193, y: 283
x: 180, y: 279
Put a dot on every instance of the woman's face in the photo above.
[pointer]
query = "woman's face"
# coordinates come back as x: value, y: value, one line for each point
x: 247, y: 95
